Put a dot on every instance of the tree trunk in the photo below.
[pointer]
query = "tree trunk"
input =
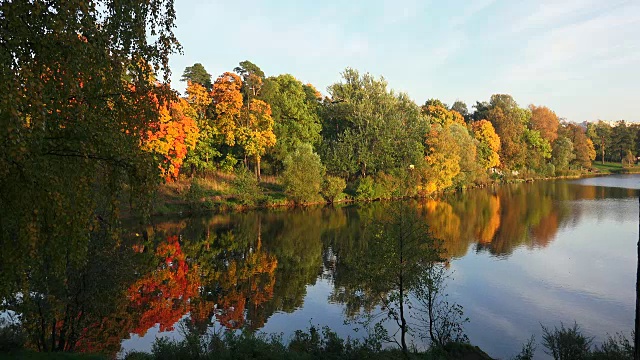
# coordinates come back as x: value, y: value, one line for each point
x: 403, y: 321
x: 636, y: 340
x: 258, y: 168
x: 430, y: 301
x: 602, y: 147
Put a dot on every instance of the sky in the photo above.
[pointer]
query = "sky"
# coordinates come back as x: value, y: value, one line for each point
x: 578, y: 57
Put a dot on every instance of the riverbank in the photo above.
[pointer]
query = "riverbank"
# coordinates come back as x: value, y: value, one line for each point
x: 218, y: 192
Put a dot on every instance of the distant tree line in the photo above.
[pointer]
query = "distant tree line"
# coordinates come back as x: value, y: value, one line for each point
x: 381, y: 143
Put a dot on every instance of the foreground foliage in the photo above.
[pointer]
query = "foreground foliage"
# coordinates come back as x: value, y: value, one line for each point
x: 314, y: 343
x: 570, y: 343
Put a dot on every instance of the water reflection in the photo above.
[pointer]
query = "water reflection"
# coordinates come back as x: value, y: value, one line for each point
x: 240, y: 270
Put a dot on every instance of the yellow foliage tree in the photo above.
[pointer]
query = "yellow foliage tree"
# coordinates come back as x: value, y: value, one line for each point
x: 227, y: 98
x: 256, y: 133
x: 489, y: 144
x: 443, y: 116
x: 199, y: 99
x: 442, y: 157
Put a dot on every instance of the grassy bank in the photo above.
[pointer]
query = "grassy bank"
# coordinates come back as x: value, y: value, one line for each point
x: 615, y: 168
x: 221, y: 192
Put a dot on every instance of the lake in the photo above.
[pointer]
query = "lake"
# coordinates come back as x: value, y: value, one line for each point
x: 520, y: 256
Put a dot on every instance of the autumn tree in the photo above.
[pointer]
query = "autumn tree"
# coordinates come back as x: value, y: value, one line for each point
x: 255, y: 133
x: 583, y: 148
x: 470, y: 169
x: 509, y: 121
x: 197, y: 74
x: 172, y: 136
x: 443, y: 159
x: 227, y: 101
x: 200, y: 158
x: 545, y: 121
x: 439, y: 113
x: 488, y: 144
x: 71, y: 133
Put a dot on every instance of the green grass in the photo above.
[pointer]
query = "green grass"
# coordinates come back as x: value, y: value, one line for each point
x: 615, y: 168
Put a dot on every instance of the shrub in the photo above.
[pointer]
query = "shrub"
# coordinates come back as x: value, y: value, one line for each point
x: 566, y: 343
x: 332, y: 187
x: 302, y: 175
x: 386, y: 186
x: 11, y: 336
x: 138, y: 355
x: 195, y: 194
x: 228, y: 163
x: 245, y: 187
x: 365, y: 189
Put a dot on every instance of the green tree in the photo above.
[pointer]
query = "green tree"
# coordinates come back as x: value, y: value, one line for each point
x: 367, y: 128
x: 295, y: 116
x: 252, y: 79
x: 71, y: 126
x: 481, y: 110
x: 470, y: 168
x: 71, y: 145
x: 539, y: 150
x: 622, y: 140
x: 332, y: 187
x: 392, y: 267
x: 600, y: 135
x: 562, y: 153
x: 196, y: 73
x: 509, y: 121
x: 461, y: 108
x: 303, y: 174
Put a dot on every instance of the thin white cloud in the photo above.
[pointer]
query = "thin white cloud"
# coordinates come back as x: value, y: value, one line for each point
x: 469, y: 10
x: 401, y: 11
x: 565, y: 52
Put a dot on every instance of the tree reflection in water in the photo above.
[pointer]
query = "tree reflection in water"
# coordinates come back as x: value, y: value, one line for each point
x: 238, y: 270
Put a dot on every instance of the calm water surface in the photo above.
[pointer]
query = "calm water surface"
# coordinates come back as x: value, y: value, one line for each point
x: 521, y: 255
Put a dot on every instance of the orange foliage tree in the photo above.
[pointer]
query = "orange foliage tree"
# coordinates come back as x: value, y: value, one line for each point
x: 250, y: 280
x: 173, y: 134
x: 227, y: 99
x: 546, y: 121
x: 163, y: 296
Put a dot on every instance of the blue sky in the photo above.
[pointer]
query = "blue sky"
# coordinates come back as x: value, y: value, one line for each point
x: 579, y: 57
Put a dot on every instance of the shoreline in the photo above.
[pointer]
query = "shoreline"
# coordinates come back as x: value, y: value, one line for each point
x: 176, y: 205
